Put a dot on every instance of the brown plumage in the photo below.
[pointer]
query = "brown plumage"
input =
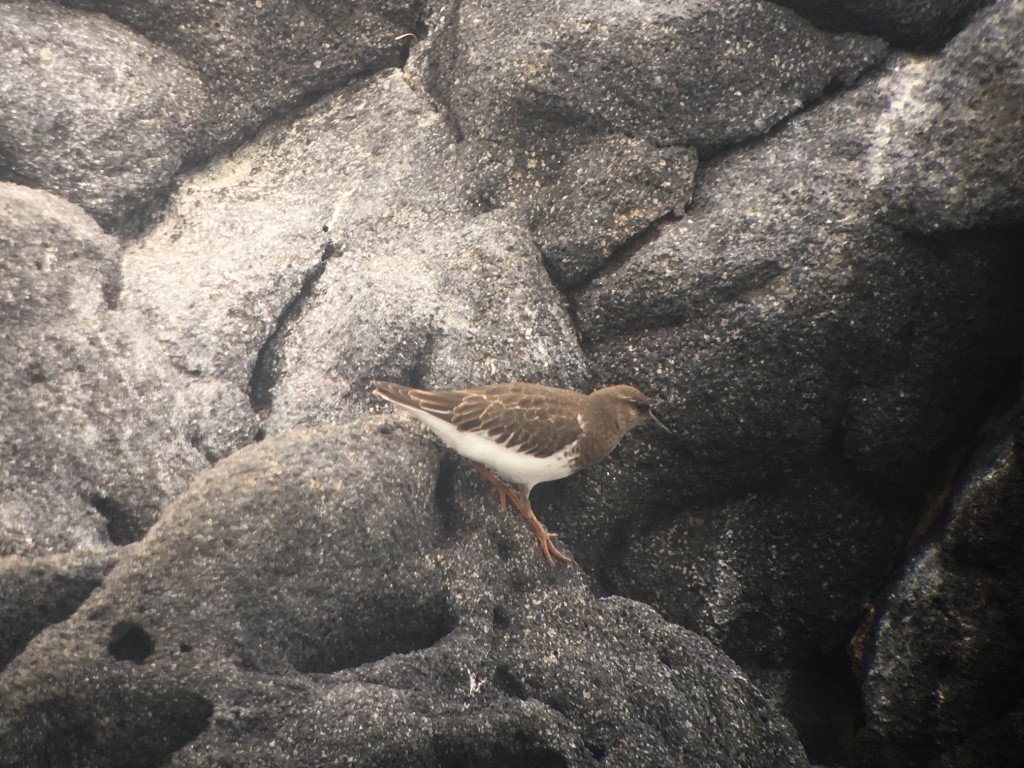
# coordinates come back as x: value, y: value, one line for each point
x: 526, y: 433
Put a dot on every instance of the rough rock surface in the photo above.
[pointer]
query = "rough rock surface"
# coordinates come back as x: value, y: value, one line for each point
x: 948, y: 635
x: 401, y: 651
x: 837, y: 360
x: 804, y: 244
x: 92, y: 111
x: 722, y: 72
x: 610, y: 191
x: 325, y: 265
x: 104, y: 107
x: 92, y: 440
x: 40, y: 591
x: 257, y: 58
x: 967, y: 123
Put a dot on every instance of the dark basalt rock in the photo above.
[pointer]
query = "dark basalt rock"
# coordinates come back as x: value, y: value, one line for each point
x: 307, y: 596
x: 804, y: 245
x: 942, y: 680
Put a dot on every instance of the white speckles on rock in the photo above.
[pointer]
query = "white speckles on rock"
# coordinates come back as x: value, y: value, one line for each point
x: 395, y: 278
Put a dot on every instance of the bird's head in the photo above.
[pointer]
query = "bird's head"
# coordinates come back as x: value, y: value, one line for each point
x: 629, y: 406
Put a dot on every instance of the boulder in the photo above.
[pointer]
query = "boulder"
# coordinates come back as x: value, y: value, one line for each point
x: 315, y: 595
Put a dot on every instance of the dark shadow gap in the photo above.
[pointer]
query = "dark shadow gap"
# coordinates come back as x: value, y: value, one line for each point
x: 382, y: 623
x: 122, y: 528
x: 270, y: 358
x: 444, y: 494
x: 622, y: 253
x: 130, y: 642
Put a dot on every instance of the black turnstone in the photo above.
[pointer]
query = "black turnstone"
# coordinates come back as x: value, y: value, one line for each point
x: 526, y: 433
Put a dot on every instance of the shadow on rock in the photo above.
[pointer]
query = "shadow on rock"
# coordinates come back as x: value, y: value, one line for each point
x: 307, y: 599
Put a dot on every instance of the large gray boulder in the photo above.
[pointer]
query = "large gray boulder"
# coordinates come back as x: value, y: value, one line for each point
x: 103, y: 102
x: 259, y: 58
x: 943, y: 684
x: 963, y: 112
x: 313, y: 596
x: 805, y: 245
x: 317, y: 267
x: 798, y: 326
x: 92, y: 111
x: 676, y: 72
x: 93, y: 440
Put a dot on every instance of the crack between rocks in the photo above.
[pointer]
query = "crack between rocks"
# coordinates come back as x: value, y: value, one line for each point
x: 619, y: 256
x: 723, y: 303
x: 420, y: 370
x: 935, y: 514
x: 266, y: 368
x: 626, y: 250
x: 122, y: 528
x: 444, y: 496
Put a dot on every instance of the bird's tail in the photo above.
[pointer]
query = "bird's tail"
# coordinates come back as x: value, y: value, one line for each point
x: 436, y: 402
x: 398, y: 394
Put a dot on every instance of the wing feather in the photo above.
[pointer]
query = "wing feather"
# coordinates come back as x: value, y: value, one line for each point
x: 540, y: 421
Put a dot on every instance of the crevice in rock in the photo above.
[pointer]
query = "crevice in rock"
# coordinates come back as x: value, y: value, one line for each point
x: 59, y: 585
x: 198, y: 441
x: 948, y: 476
x: 829, y: 739
x: 509, y: 684
x: 287, y: 112
x: 270, y: 358
x: 130, y: 642
x: 111, y: 288
x: 936, y: 511
x: 122, y: 528
x: 621, y: 253
x: 188, y: 718
x: 739, y: 291
x: 501, y: 620
x: 143, y: 731
x: 394, y: 621
x: 421, y: 27
x: 597, y: 751
x: 844, y: 20
x: 420, y: 371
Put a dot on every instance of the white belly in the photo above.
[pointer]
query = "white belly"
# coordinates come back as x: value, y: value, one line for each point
x: 519, y: 468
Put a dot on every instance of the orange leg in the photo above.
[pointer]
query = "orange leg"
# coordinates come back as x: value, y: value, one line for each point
x: 505, y: 493
x: 502, y: 491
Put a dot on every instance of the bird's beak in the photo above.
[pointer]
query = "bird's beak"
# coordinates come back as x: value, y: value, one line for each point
x: 657, y: 421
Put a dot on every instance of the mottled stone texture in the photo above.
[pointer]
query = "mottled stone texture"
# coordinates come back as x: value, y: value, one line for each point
x: 943, y: 682
x: 285, y: 608
x: 797, y: 225
x: 92, y: 439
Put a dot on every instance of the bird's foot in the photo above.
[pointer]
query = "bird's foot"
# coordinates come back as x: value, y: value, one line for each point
x: 545, y: 538
x: 548, y: 549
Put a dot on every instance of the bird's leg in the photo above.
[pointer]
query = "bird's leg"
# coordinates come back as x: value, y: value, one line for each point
x: 502, y: 491
x: 545, y: 538
x: 521, y: 502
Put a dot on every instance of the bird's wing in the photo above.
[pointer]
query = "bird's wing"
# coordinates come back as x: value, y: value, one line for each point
x: 530, y: 422
x: 440, y: 403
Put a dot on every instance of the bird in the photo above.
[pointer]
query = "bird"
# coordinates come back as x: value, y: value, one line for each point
x: 517, y: 435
